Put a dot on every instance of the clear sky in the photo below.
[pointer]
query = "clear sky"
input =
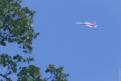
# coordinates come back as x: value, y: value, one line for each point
x: 87, y: 54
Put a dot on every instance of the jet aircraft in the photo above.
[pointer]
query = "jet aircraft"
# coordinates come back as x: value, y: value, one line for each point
x: 88, y: 24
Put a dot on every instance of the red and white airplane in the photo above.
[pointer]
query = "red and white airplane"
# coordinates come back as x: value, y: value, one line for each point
x: 88, y: 24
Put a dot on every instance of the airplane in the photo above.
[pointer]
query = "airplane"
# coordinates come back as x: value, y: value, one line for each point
x: 88, y: 24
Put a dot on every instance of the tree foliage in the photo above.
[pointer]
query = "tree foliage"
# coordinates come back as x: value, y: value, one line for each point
x: 16, y: 27
x: 16, y: 65
x: 16, y: 24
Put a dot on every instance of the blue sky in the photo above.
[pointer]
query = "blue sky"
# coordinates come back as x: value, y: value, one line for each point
x: 87, y: 54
